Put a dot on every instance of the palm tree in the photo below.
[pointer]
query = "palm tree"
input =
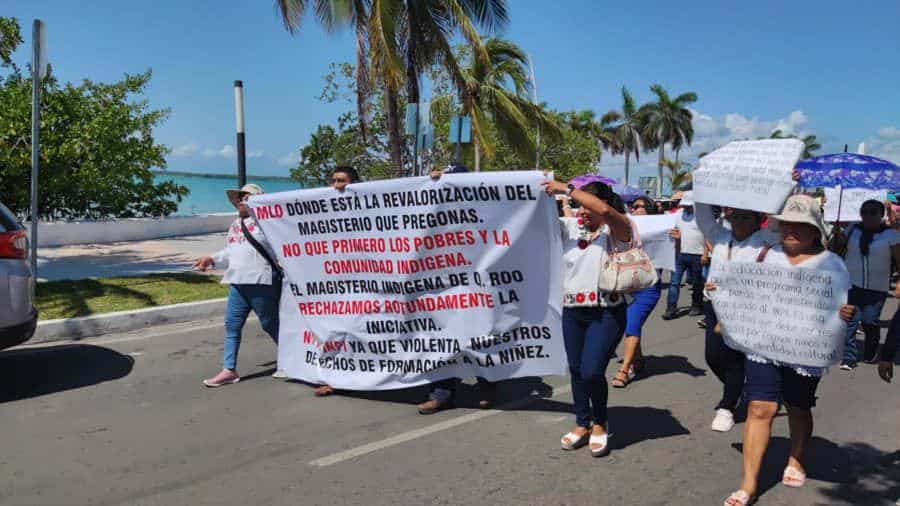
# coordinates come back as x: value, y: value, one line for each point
x: 498, y: 99
x: 677, y: 176
x: 586, y: 122
x: 626, y: 128
x: 407, y: 36
x: 396, y: 39
x: 667, y: 121
x: 810, y: 143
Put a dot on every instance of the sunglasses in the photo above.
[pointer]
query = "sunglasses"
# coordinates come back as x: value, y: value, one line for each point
x: 636, y: 207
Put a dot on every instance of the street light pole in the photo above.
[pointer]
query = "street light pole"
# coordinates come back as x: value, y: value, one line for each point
x: 537, y: 133
x: 38, y: 69
x: 239, y: 126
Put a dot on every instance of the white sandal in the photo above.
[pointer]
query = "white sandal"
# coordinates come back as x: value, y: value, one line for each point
x: 603, y: 441
x: 572, y: 441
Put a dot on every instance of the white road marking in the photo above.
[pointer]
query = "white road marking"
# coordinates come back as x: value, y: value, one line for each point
x: 365, y: 449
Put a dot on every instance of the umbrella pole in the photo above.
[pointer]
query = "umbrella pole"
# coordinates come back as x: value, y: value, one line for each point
x: 837, y: 222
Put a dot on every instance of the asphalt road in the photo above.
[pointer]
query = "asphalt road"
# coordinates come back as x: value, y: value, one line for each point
x: 125, y: 420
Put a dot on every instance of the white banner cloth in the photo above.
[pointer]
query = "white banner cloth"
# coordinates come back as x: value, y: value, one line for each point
x: 408, y: 281
x: 851, y: 199
x: 654, y: 232
x: 755, y: 175
x: 779, y: 313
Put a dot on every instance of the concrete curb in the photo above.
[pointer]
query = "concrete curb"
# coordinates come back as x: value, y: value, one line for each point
x: 125, y: 321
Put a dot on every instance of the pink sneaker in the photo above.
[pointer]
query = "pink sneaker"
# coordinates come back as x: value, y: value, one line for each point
x: 226, y: 377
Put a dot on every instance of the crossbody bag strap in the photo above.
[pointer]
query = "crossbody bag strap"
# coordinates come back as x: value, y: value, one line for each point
x: 763, y: 253
x: 259, y: 249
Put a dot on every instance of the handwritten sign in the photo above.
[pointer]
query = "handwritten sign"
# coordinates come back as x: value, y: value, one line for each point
x: 755, y: 175
x: 404, y: 282
x: 654, y: 232
x: 781, y: 313
x: 850, y: 201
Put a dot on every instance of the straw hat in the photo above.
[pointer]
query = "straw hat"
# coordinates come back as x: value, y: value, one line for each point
x: 803, y: 209
x: 234, y: 196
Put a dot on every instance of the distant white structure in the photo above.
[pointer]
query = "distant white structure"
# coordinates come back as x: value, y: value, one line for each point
x: 861, y: 149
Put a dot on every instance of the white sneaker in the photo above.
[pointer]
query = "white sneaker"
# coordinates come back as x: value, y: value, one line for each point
x: 279, y: 374
x: 724, y: 421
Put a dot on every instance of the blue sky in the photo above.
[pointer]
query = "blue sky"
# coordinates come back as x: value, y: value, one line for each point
x: 824, y: 67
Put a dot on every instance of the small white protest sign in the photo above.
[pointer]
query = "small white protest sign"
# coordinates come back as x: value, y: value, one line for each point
x: 755, y: 175
x: 655, y: 238
x: 850, y: 200
x: 780, y: 313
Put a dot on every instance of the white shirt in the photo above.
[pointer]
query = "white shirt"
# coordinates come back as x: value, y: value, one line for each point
x: 725, y: 247
x: 243, y: 264
x: 582, y: 268
x: 826, y: 261
x: 691, y: 237
x: 872, y: 272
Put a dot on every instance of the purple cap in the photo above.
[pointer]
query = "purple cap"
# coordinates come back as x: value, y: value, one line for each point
x: 587, y: 179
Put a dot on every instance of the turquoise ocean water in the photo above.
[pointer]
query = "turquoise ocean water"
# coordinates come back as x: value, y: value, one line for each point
x: 208, y: 191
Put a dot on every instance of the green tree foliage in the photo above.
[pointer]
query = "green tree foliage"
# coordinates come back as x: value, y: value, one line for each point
x: 810, y: 143
x: 97, y: 149
x: 10, y: 38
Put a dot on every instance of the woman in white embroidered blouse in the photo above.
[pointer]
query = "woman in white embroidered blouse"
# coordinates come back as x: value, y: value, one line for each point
x: 593, y: 321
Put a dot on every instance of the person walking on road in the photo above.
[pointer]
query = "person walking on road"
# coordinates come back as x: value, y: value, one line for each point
x: 593, y: 321
x: 769, y: 382
x: 870, y: 247
x: 255, y: 280
x: 738, y: 239
x: 688, y: 252
x: 642, y: 304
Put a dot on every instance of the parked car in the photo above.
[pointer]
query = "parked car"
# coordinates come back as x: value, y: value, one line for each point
x: 18, y: 317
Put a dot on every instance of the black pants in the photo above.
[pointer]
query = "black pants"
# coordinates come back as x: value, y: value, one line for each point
x: 727, y: 364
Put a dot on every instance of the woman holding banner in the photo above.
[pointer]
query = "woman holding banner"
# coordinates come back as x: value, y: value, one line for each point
x: 593, y: 321
x: 769, y: 382
x: 743, y: 241
x: 639, y: 309
x: 870, y: 246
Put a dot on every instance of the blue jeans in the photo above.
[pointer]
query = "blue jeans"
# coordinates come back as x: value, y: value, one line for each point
x: 868, y: 313
x: 591, y: 336
x: 263, y: 300
x: 686, y: 263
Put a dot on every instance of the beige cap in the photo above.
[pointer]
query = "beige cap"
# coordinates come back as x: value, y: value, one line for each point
x: 803, y: 209
x: 250, y: 189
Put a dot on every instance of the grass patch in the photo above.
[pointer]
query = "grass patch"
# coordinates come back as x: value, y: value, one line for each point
x: 85, y: 297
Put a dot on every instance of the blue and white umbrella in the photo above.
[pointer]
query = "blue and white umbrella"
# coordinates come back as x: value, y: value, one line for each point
x: 849, y: 170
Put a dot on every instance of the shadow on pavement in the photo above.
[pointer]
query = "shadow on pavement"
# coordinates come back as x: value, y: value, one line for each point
x: 668, y: 364
x: 859, y: 473
x: 630, y: 425
x: 27, y: 373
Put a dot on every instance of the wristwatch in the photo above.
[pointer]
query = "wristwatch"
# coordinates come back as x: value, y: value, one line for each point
x: 571, y: 188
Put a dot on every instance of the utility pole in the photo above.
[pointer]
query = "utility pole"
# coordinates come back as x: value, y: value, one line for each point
x: 537, y: 134
x: 239, y: 126
x: 38, y: 72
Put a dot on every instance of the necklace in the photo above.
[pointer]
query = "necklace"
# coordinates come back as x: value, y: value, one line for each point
x: 585, y: 236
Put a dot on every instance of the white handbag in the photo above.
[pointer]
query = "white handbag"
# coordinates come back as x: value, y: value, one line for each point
x: 629, y: 270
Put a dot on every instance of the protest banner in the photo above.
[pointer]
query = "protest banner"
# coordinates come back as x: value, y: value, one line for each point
x: 754, y: 175
x: 654, y: 232
x: 408, y: 281
x: 786, y: 314
x: 850, y: 200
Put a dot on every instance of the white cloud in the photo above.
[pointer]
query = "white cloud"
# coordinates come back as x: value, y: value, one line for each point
x: 289, y: 160
x: 185, y: 150
x: 255, y: 154
x: 889, y: 132
x: 227, y: 151
x: 885, y: 144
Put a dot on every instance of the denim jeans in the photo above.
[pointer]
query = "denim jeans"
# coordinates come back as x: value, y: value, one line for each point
x: 591, y: 336
x: 868, y: 313
x: 727, y: 364
x: 686, y: 263
x: 263, y: 300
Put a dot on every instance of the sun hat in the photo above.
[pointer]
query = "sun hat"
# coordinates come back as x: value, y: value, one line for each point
x: 687, y: 199
x: 803, y: 209
x: 234, y: 196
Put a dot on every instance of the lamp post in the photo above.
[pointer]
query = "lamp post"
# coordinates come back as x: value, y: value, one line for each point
x: 239, y: 126
x: 38, y: 71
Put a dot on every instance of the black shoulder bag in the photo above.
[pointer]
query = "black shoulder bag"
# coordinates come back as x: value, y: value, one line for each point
x: 277, y: 273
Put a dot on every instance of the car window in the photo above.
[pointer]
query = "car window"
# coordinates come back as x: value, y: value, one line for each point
x: 8, y: 220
